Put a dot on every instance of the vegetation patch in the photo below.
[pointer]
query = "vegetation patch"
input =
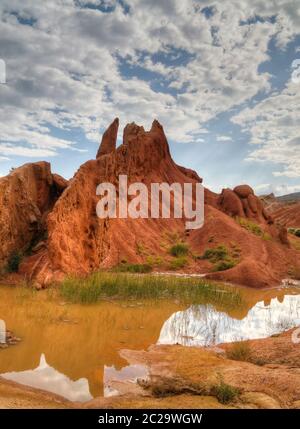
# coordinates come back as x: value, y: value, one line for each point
x: 133, y: 268
x: 155, y: 261
x: 147, y: 286
x: 14, y: 262
x: 178, y: 263
x: 163, y: 387
x: 294, y: 231
x: 225, y: 393
x: 140, y: 249
x: 239, y: 351
x: 216, y: 254
x: 250, y: 226
x: 179, y: 249
x: 221, y: 258
x: 224, y: 265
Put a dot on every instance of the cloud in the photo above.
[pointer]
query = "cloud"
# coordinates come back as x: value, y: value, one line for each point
x: 278, y: 190
x: 64, y: 66
x: 223, y: 138
x: 273, y: 125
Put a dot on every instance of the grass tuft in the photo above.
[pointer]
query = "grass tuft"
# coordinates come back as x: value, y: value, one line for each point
x: 179, y: 249
x: 133, y: 268
x: 221, y: 258
x: 178, y: 263
x: 239, y: 351
x: 225, y: 393
x: 146, y: 286
x: 224, y: 265
x: 252, y: 227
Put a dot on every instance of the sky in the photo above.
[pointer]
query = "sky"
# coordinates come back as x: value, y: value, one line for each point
x: 222, y: 77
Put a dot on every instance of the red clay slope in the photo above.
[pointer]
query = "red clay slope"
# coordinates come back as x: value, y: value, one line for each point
x: 288, y: 215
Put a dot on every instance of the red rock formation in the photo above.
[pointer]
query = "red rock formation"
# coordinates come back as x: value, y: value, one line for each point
x: 230, y: 203
x: 79, y: 242
x: 27, y: 194
x: 109, y: 139
x: 242, y: 202
x: 287, y: 214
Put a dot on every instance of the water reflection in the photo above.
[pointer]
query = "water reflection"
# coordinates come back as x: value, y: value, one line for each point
x: 2, y: 332
x: 114, y: 380
x: 83, y: 342
x: 47, y: 378
x: 204, y: 325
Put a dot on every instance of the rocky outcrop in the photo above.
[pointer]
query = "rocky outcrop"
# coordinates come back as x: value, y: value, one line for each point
x: 27, y: 194
x: 109, y: 139
x: 80, y: 242
x: 287, y: 214
x: 242, y: 202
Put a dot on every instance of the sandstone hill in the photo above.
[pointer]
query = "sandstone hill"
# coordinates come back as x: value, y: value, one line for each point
x: 54, y: 222
x: 285, y: 210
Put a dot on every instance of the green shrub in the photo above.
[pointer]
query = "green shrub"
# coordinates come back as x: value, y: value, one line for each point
x: 266, y: 236
x: 13, y: 262
x: 224, y: 392
x: 294, y: 231
x: 155, y: 261
x: 239, y: 351
x: 215, y: 254
x: 250, y: 226
x: 179, y: 249
x: 224, y: 265
x: 178, y: 263
x: 220, y: 257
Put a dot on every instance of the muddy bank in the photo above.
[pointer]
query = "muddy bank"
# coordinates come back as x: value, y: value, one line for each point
x: 267, y: 377
x: 194, y: 377
x: 13, y: 395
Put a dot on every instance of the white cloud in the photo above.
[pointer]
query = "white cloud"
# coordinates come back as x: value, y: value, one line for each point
x: 274, y: 128
x: 278, y: 190
x: 63, y: 70
x: 223, y: 138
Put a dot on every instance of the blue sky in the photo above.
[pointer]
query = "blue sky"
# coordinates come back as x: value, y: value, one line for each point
x: 216, y: 74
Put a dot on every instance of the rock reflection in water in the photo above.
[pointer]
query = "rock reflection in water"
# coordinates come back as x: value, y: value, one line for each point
x: 115, y: 380
x: 203, y: 325
x: 2, y: 332
x: 47, y: 378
